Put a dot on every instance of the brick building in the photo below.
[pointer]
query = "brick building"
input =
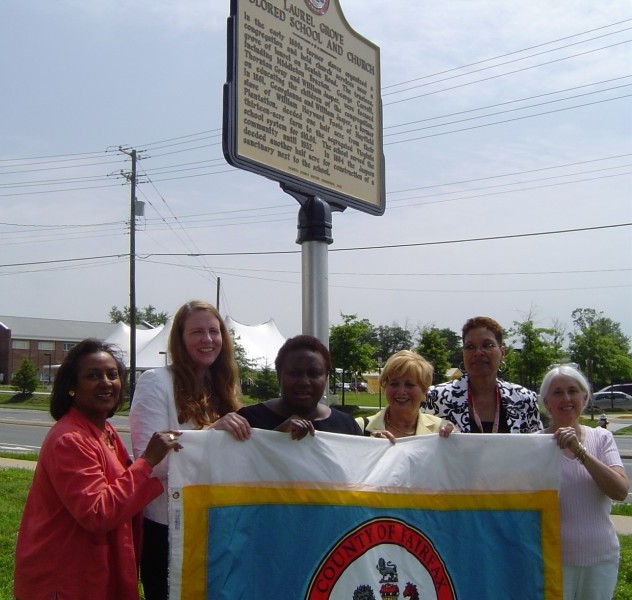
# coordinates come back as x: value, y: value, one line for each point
x: 42, y: 341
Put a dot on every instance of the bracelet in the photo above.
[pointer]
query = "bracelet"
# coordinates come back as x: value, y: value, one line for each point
x: 580, y: 453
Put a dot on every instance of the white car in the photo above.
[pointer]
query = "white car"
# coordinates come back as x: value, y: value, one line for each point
x: 610, y: 401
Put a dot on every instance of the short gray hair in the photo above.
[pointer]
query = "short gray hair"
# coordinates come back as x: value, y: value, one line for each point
x: 569, y: 371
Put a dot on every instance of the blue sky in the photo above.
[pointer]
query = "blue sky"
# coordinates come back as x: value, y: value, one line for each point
x: 553, y: 154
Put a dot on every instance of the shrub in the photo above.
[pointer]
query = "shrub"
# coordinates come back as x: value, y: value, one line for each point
x: 25, y: 378
x: 265, y: 384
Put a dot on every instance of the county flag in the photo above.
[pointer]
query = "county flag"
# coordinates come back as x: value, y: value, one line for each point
x: 341, y: 517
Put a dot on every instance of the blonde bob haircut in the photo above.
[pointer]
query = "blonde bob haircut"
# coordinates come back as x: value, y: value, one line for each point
x: 406, y: 363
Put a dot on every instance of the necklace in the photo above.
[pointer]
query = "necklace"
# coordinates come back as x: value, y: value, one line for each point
x: 108, y: 440
x: 389, y: 423
x: 477, y: 419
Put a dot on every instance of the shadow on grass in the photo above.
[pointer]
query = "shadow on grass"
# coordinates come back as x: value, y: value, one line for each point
x: 22, y: 400
x: 20, y: 397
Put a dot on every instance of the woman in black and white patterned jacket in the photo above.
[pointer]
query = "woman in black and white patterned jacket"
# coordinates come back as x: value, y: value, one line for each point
x: 479, y: 402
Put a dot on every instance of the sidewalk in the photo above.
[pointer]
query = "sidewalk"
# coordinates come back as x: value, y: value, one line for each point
x: 14, y: 463
x: 622, y: 524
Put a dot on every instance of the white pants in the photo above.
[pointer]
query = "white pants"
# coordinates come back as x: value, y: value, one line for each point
x: 590, y: 583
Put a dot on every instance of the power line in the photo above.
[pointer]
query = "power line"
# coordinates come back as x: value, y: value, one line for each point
x: 204, y: 263
x: 487, y: 194
x: 350, y: 249
x: 43, y: 238
x: 562, y: 166
x: 548, y: 112
x: 181, y: 137
x: 59, y: 157
x: 176, y: 168
x: 69, y: 180
x: 463, y: 112
x: 77, y: 189
x: 217, y: 131
x: 391, y: 288
x: 479, y: 62
x: 502, y: 112
x: 233, y: 170
x: 64, y: 226
x: 248, y: 218
x: 517, y: 60
x: 96, y: 164
x: 504, y: 74
x: 229, y: 270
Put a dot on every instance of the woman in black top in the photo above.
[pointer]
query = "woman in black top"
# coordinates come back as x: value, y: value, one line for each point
x: 302, y: 367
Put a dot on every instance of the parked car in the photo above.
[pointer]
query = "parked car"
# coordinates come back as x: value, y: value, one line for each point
x: 609, y: 401
x: 626, y: 388
x: 359, y: 386
x: 339, y: 386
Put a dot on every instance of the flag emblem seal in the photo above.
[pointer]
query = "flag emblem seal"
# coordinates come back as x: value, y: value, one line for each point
x: 393, y: 548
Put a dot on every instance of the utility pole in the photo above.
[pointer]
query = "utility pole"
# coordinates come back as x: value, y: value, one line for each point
x: 135, y: 210
x: 217, y: 294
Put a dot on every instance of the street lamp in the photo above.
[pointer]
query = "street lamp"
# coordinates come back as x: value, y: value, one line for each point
x: 50, y: 364
x: 379, y: 387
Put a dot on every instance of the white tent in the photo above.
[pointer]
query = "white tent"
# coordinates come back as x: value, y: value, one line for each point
x: 120, y: 337
x: 261, y: 342
x: 154, y: 353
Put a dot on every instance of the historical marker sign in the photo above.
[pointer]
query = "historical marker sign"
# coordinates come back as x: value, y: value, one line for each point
x: 302, y: 103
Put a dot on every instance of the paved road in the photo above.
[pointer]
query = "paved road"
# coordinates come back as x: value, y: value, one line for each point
x: 24, y: 430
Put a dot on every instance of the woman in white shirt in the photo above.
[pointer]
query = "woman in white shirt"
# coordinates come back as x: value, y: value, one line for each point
x: 592, y: 476
x: 199, y: 390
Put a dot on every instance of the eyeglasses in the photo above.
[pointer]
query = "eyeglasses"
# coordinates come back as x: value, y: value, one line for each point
x: 484, y: 347
x: 569, y: 364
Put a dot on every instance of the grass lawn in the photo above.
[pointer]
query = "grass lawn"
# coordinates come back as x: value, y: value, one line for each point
x: 624, y: 584
x: 14, y: 486
x: 9, y: 399
x: 352, y: 403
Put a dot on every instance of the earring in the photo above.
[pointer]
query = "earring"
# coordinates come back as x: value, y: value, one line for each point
x: 502, y: 366
x: 71, y: 393
x: 462, y: 367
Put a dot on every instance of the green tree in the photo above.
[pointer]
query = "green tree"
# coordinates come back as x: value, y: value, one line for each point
x: 265, y: 384
x: 25, y: 378
x: 453, y: 346
x: 244, y: 364
x: 600, y: 348
x: 433, y: 348
x: 539, y: 347
x: 350, y: 347
x: 147, y: 314
x: 390, y: 339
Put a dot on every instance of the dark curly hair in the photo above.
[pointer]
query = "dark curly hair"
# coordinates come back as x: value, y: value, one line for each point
x: 487, y: 323
x: 66, y: 378
x: 302, y: 342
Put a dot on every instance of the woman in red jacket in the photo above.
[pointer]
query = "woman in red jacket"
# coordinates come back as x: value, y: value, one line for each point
x: 78, y: 537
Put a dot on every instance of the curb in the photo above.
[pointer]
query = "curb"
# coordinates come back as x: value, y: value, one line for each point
x: 119, y: 428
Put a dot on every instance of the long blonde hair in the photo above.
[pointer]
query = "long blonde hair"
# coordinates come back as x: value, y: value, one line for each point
x: 196, y: 402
